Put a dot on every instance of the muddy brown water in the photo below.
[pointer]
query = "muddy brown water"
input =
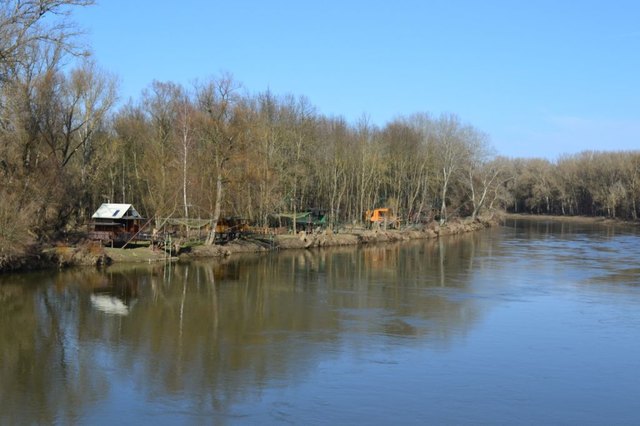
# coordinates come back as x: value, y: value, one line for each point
x: 534, y: 322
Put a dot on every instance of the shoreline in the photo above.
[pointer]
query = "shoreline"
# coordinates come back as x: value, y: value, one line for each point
x: 87, y: 253
x: 91, y: 254
x: 571, y: 219
x: 349, y: 237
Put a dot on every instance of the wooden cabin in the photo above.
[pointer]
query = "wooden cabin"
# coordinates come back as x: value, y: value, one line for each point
x: 115, y: 223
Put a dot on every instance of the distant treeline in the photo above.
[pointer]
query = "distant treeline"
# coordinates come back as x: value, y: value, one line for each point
x: 589, y: 184
x: 214, y: 150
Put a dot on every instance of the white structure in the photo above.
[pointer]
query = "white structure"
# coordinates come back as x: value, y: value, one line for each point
x: 116, y: 211
x: 116, y: 223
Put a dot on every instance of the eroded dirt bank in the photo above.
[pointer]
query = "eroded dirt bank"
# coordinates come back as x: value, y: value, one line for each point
x: 346, y: 237
x: 93, y: 254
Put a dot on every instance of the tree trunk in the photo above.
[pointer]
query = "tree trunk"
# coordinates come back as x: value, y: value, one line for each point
x: 184, y: 178
x: 211, y: 239
x: 443, y: 206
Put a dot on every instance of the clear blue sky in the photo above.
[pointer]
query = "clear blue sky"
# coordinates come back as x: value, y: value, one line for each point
x: 540, y: 78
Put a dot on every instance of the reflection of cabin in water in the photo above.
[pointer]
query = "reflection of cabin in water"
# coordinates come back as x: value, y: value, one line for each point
x: 115, y: 223
x: 116, y: 295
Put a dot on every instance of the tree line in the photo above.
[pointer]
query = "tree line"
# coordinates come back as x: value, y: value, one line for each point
x: 589, y: 184
x: 213, y: 149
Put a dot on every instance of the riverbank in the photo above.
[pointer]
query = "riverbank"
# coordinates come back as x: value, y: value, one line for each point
x: 572, y: 219
x: 88, y: 253
x: 348, y: 236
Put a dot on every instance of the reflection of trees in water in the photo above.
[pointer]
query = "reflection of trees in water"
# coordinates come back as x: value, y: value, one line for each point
x: 214, y: 332
x: 571, y: 228
x: 572, y: 247
x: 215, y: 340
x: 394, y: 289
x: 44, y: 375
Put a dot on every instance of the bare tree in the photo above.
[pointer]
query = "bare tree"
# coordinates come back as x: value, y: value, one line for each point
x: 25, y: 28
x: 452, y: 151
x: 221, y: 128
x: 485, y: 177
x: 185, y: 124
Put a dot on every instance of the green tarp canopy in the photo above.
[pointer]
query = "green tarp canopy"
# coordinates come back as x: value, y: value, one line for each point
x: 304, y: 218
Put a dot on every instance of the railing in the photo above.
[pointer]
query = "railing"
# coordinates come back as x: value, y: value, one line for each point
x: 101, y: 235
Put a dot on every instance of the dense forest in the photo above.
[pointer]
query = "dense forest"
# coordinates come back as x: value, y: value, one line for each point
x: 215, y: 149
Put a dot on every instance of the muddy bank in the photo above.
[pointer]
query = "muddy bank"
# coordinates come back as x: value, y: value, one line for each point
x: 94, y: 254
x: 30, y: 259
x: 60, y: 255
x: 369, y: 236
x: 346, y: 237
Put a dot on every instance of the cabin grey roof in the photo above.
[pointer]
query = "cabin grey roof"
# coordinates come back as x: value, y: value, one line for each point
x: 116, y: 211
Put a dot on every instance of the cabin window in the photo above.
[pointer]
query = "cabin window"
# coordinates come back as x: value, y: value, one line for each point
x: 116, y: 213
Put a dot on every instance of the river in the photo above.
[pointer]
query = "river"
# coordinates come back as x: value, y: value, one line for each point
x: 534, y: 322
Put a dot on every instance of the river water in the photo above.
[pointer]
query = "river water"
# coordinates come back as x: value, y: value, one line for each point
x: 531, y: 323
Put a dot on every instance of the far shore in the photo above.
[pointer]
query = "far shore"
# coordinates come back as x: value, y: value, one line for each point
x: 574, y: 219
